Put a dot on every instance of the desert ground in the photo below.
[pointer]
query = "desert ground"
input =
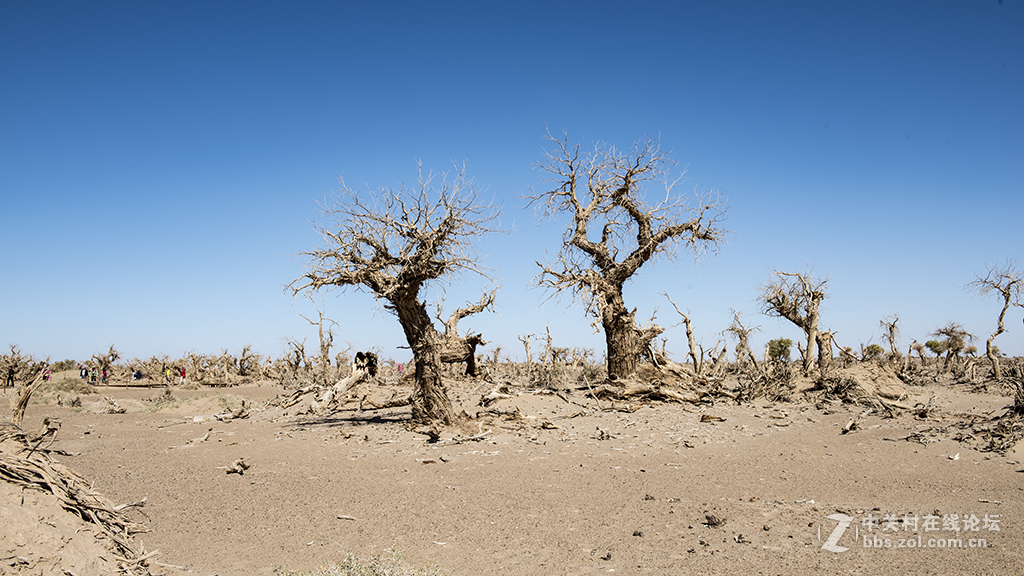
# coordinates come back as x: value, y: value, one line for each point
x: 536, y: 483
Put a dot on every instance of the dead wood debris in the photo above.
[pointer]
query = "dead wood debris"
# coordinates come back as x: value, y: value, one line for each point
x: 111, y: 407
x: 236, y: 414
x: 238, y: 467
x: 23, y: 462
x: 854, y: 423
x: 326, y: 397
x: 636, y: 391
x: 713, y: 521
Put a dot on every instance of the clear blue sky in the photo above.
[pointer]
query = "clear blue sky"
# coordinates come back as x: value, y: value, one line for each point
x: 161, y: 162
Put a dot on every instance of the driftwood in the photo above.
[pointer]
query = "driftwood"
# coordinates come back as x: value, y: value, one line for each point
x: 662, y: 363
x: 367, y: 403
x: 236, y: 414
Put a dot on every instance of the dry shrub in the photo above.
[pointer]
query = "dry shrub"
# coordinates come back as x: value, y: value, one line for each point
x: 775, y: 383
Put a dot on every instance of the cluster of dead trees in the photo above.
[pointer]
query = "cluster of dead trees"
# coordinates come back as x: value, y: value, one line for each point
x: 620, y: 212
x: 394, y: 242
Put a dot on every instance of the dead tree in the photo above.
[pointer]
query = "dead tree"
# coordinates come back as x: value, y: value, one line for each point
x: 455, y: 348
x: 105, y: 362
x: 363, y: 368
x: 697, y: 359
x: 31, y: 377
x: 249, y: 363
x: 824, y: 339
x: 1008, y: 283
x: 326, y: 341
x: 295, y: 358
x: 613, y: 232
x: 890, y: 325
x: 796, y: 296
x: 392, y: 246
x: 742, y: 334
x: 525, y: 339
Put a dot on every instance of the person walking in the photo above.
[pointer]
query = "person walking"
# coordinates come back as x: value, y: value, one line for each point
x: 83, y: 372
x: 104, y: 376
x: 182, y: 381
x: 93, y: 375
x: 10, y: 378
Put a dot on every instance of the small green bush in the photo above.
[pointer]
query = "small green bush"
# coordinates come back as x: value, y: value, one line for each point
x: 778, y: 349
x: 936, y: 347
x: 873, y: 352
x: 64, y: 365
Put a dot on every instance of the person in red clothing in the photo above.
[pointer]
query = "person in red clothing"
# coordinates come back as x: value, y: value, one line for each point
x: 182, y: 381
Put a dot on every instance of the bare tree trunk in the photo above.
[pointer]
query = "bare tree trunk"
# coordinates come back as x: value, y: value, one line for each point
x: 525, y: 339
x: 812, y: 336
x: 429, y: 400
x: 23, y: 392
x: 625, y: 342
x: 824, y: 352
x: 326, y: 341
x: 690, y: 341
x: 996, y: 370
x: 455, y: 348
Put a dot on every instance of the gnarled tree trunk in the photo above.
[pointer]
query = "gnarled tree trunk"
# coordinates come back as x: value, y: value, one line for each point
x: 455, y: 348
x: 625, y: 342
x: 430, y: 403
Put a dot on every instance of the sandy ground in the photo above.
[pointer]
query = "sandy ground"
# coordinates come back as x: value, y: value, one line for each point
x: 563, y: 489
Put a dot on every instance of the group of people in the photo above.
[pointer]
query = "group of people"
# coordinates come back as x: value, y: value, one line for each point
x: 98, y: 377
x: 136, y: 374
x: 92, y: 375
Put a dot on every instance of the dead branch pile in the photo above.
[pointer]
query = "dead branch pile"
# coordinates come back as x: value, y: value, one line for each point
x: 1002, y: 433
x: 773, y: 381
x: 25, y: 463
x: 867, y: 385
x: 639, y: 391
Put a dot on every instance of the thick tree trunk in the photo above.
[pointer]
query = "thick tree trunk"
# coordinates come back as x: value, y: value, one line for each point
x: 812, y: 339
x: 824, y: 340
x: 624, y: 340
x: 430, y: 403
x: 458, y: 349
x: 997, y: 372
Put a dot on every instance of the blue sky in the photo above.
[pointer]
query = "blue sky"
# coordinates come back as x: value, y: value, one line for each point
x: 161, y: 162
